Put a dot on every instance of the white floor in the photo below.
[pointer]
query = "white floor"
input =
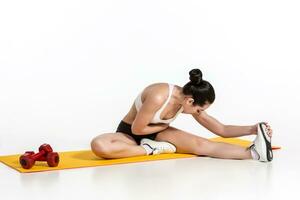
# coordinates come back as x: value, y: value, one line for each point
x: 191, y: 178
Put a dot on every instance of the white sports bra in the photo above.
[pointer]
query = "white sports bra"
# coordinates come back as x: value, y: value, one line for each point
x: 156, y: 119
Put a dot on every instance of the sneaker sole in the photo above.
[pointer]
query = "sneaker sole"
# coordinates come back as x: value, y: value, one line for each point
x: 266, y: 145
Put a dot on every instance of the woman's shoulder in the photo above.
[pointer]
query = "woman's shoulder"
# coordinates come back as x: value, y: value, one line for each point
x: 157, y: 91
x: 157, y: 86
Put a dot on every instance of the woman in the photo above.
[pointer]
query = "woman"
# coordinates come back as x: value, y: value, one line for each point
x: 146, y: 129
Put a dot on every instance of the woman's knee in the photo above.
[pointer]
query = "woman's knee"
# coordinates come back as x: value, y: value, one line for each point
x: 203, y: 147
x: 100, y: 147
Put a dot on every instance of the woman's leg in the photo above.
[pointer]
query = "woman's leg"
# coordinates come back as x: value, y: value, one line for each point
x: 116, y: 145
x: 188, y: 143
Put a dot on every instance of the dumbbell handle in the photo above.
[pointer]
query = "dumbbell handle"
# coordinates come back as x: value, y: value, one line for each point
x: 38, y: 155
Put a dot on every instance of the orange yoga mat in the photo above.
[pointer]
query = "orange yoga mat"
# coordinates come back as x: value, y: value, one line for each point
x: 85, y: 158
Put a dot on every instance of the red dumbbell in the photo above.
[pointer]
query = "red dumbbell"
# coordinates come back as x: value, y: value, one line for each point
x: 45, y: 153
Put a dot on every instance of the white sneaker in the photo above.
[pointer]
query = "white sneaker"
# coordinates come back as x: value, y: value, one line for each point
x: 158, y: 147
x: 262, y: 144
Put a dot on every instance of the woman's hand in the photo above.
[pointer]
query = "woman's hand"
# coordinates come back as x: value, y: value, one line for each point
x: 269, y: 129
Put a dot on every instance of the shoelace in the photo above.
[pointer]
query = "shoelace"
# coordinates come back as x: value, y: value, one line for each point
x: 160, y: 148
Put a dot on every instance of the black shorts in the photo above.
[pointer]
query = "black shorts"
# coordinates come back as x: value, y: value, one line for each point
x: 126, y: 128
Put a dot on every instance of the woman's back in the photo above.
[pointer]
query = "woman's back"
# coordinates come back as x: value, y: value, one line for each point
x: 161, y: 91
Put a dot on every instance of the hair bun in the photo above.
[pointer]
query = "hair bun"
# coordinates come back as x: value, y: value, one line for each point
x: 195, y: 76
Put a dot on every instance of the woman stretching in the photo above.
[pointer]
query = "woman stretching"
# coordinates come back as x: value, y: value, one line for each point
x: 146, y: 130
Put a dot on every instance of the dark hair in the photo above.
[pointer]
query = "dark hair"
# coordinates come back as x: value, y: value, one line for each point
x: 201, y: 90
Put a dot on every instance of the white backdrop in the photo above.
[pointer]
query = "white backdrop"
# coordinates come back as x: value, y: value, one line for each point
x: 70, y: 70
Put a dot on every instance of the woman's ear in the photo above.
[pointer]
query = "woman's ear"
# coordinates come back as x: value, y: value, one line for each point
x: 190, y: 101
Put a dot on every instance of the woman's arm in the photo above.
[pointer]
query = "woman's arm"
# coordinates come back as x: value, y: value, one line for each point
x: 236, y: 131
x: 151, y: 128
x: 142, y: 122
x: 222, y: 130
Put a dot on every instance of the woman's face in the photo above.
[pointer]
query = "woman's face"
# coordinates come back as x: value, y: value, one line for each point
x: 189, y: 108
